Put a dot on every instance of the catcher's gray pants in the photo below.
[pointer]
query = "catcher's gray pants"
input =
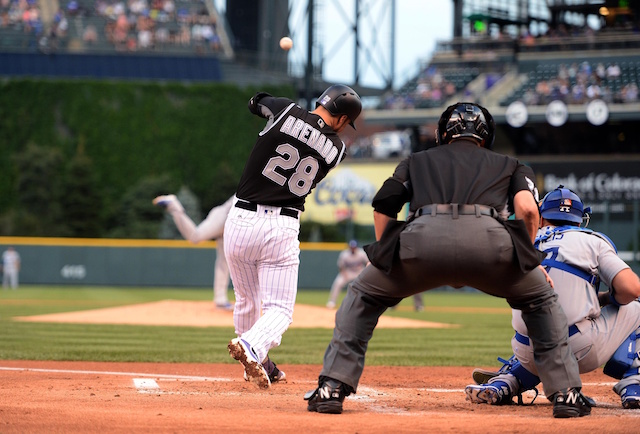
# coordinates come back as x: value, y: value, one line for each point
x: 597, y: 341
x: 440, y: 250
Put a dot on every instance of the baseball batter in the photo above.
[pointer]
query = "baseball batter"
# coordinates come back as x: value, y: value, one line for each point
x: 294, y: 151
x: 578, y: 260
x: 454, y: 236
x: 211, y: 228
x: 351, y: 262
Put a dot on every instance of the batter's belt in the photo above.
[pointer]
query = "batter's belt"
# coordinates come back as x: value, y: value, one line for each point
x: 252, y: 206
x: 456, y: 210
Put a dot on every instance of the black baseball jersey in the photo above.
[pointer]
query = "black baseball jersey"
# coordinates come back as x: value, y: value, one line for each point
x: 294, y: 152
x: 460, y: 172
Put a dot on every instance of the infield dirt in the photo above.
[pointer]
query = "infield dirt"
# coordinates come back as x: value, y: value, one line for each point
x: 91, y: 397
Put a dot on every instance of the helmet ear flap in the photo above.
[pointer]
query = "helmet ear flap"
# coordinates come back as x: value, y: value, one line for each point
x: 442, y: 125
x: 488, y: 128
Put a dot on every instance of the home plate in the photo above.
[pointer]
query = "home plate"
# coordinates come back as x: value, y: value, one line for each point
x: 144, y: 384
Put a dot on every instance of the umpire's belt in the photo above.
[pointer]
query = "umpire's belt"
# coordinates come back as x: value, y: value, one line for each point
x: 252, y: 206
x: 455, y: 210
x: 524, y: 340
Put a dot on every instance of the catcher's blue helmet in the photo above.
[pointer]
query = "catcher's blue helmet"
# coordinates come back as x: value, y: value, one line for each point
x: 564, y: 205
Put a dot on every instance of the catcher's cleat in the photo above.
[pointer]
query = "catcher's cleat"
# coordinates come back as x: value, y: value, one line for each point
x: 165, y: 200
x: 570, y: 403
x: 240, y: 350
x: 482, y: 376
x: 327, y: 398
x: 496, y: 393
x: 630, y: 396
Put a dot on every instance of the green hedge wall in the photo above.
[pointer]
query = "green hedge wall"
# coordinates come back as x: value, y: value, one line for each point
x: 194, y: 135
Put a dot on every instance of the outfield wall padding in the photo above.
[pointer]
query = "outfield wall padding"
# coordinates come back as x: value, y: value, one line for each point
x: 145, y: 263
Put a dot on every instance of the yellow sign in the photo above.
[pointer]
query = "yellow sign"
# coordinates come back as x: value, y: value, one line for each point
x: 346, y: 193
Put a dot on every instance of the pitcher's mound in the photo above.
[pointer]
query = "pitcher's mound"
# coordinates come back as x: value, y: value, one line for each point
x: 205, y: 314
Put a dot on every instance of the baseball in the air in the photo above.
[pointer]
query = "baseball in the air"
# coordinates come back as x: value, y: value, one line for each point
x: 286, y: 43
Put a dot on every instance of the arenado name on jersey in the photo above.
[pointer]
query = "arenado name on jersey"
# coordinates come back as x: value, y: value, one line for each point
x: 310, y: 136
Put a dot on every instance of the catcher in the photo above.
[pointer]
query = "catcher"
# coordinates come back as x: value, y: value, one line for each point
x: 604, y: 325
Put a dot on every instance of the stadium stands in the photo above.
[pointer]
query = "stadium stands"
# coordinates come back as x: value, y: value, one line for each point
x: 431, y: 88
x: 612, y: 79
x: 168, y: 26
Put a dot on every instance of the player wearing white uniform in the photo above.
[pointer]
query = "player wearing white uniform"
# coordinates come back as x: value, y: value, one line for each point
x: 577, y: 260
x: 351, y: 262
x: 10, y: 268
x: 211, y: 228
x: 294, y: 152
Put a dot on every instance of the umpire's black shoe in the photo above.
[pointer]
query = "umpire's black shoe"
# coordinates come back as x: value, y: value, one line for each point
x: 570, y: 403
x: 327, y: 398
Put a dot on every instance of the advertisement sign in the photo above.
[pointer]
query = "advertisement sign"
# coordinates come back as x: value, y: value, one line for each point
x: 346, y: 193
x: 596, y: 182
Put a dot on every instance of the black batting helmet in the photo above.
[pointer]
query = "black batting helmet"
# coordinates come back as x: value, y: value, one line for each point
x: 341, y: 100
x: 466, y: 119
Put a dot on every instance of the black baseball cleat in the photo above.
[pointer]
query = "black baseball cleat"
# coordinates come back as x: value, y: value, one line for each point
x: 327, y: 398
x: 571, y: 403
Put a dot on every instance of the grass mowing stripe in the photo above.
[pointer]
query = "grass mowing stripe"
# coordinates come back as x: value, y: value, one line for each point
x: 484, y: 334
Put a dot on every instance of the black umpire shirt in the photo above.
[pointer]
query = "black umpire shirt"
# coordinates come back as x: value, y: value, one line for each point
x: 460, y: 172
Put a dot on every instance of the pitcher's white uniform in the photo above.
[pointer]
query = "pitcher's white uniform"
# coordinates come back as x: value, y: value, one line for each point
x: 211, y: 228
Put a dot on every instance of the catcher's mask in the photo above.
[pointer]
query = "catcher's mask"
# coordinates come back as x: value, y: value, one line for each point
x: 341, y: 100
x: 564, y: 205
x: 466, y: 119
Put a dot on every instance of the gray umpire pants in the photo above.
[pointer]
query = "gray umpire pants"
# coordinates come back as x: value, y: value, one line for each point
x: 464, y: 251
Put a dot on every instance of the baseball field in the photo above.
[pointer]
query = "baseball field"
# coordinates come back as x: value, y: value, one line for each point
x: 88, y: 359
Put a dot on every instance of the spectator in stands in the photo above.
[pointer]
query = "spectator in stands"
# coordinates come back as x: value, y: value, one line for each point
x: 4, y: 19
x: 15, y: 14
x: 613, y: 71
x: 530, y: 97
x: 120, y: 32
x: 594, y: 91
x: 145, y: 39
x: 60, y: 24
x: 162, y: 37
x: 601, y: 71
x: 629, y: 93
x: 169, y: 7
x: 184, y: 37
x: 90, y: 35
x: 73, y: 9
x: 131, y: 43
x: 544, y: 91
x: 578, y: 93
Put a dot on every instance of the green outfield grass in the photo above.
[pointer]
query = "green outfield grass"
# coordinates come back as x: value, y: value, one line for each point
x: 484, y: 333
